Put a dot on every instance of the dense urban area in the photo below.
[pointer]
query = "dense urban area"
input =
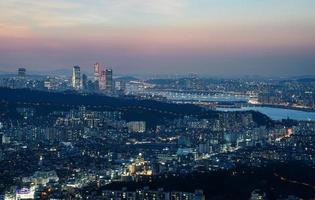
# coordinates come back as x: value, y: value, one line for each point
x: 101, y: 136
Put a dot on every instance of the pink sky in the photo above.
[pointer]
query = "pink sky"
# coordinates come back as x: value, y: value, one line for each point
x: 163, y: 38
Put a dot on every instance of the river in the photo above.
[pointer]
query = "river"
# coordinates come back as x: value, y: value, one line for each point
x: 277, y: 113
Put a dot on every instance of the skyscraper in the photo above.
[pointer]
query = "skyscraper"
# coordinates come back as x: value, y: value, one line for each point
x: 76, y: 78
x: 109, y: 80
x: 102, y: 82
x: 84, y: 82
x: 97, y: 72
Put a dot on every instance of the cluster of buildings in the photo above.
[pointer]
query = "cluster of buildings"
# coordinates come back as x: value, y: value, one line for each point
x: 69, y: 126
x: 63, y: 152
x: 146, y: 193
x: 66, y: 151
x: 292, y: 93
x: 296, y: 93
x: 37, y: 185
x: 102, y: 80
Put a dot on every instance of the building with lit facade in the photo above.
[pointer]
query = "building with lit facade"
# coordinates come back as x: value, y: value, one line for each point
x: 97, y: 72
x: 136, y: 126
x: 84, y: 81
x: 76, y: 77
x: 109, y: 80
x: 102, y: 82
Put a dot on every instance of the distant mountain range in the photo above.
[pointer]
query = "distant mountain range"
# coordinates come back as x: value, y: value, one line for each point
x: 133, y: 77
x: 126, y: 78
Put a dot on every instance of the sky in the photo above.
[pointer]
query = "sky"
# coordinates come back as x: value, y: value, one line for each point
x: 210, y: 37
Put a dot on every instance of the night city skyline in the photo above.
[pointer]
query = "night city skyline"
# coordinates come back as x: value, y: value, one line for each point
x: 229, y: 38
x: 157, y: 100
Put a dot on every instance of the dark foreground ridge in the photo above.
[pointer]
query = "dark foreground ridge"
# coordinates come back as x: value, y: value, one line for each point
x: 275, y: 180
x: 153, y: 112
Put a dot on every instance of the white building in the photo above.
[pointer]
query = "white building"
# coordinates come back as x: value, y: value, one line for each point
x: 136, y: 126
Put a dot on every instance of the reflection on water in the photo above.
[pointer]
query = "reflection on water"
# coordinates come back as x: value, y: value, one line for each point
x: 277, y: 113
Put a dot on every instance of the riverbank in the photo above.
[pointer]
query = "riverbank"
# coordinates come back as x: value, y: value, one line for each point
x: 275, y: 113
x: 283, y: 107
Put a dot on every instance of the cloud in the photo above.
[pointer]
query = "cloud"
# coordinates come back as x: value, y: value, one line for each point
x: 54, y: 14
x: 57, y: 13
x: 180, y: 32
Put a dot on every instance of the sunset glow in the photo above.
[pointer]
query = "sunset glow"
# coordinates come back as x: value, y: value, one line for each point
x: 209, y: 36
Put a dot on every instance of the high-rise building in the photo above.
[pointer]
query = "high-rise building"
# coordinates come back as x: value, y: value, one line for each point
x: 102, y: 82
x: 84, y: 82
x: 76, y: 78
x: 97, y: 72
x: 109, y: 80
x: 21, y: 72
x: 97, y: 76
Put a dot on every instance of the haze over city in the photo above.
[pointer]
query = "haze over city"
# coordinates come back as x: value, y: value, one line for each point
x: 211, y: 37
x: 157, y: 100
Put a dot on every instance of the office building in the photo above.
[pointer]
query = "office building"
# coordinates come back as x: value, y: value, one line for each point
x: 76, y: 78
x: 109, y: 80
x: 102, y: 82
x: 84, y: 82
x: 97, y: 77
x: 97, y: 72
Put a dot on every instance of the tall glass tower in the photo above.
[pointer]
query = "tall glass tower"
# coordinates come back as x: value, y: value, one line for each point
x: 109, y: 80
x: 76, y: 78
